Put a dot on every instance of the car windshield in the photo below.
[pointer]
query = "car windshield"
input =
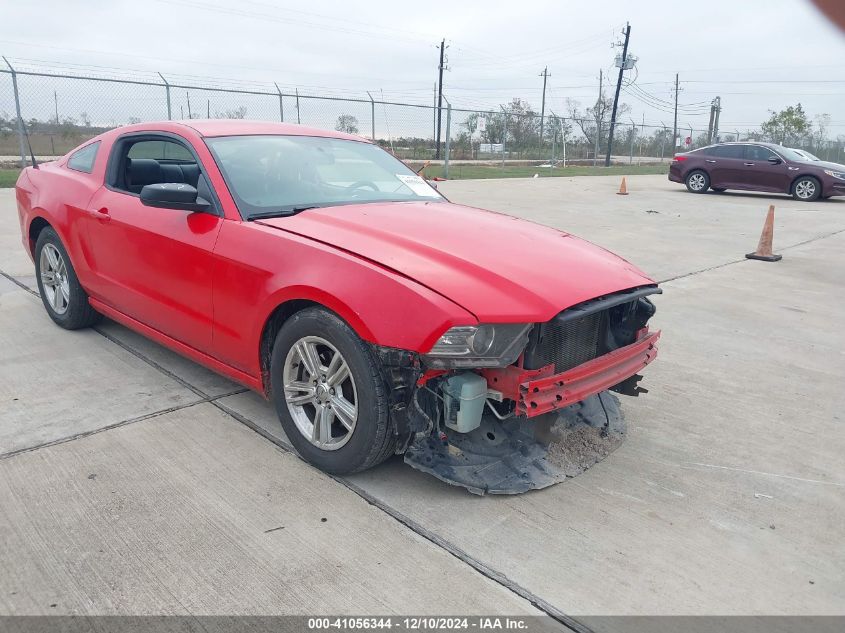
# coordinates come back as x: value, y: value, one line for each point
x: 790, y: 154
x: 807, y: 155
x: 279, y: 174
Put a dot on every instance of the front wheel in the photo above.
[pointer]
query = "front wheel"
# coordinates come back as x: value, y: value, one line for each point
x: 329, y: 394
x: 697, y: 181
x: 806, y: 189
x: 61, y: 293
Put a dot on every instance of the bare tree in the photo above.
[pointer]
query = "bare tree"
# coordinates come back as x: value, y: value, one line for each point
x: 347, y: 123
x: 822, y: 125
x: 595, y: 119
x: 237, y: 113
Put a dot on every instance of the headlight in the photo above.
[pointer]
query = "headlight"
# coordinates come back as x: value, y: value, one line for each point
x: 840, y: 175
x: 486, y: 345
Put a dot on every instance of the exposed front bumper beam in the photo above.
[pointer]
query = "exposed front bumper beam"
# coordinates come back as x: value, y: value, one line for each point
x: 544, y: 393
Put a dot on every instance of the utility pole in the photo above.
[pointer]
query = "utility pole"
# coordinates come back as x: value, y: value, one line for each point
x: 675, y: 126
x: 545, y: 75
x: 710, y: 124
x: 616, y: 96
x: 716, y: 121
x: 188, y: 97
x: 56, y: 103
x: 440, y: 68
x: 599, y: 105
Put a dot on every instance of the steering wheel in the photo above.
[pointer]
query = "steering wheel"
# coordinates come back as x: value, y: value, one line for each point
x: 361, y: 184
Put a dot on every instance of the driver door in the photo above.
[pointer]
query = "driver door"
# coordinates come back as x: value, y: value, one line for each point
x: 152, y: 264
x: 762, y: 174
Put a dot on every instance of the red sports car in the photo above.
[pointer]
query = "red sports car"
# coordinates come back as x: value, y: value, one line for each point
x: 319, y: 270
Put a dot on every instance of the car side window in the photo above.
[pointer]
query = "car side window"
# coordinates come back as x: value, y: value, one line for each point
x: 154, y: 161
x: 756, y: 152
x: 727, y: 151
x: 160, y: 150
x: 83, y: 159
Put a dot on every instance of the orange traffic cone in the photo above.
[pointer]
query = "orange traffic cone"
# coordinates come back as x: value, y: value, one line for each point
x: 623, y: 188
x: 764, y: 248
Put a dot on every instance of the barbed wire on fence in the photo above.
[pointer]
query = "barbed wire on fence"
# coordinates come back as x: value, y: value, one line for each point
x: 58, y: 111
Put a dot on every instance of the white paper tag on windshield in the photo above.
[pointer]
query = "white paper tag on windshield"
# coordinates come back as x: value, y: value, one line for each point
x: 418, y: 185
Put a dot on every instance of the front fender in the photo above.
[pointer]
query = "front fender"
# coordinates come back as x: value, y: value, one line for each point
x: 260, y: 268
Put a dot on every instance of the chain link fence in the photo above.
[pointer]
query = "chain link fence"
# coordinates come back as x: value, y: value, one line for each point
x: 60, y: 111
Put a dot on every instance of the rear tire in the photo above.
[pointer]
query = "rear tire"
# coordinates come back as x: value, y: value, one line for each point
x: 356, y: 432
x: 63, y: 297
x: 806, y: 189
x: 697, y: 181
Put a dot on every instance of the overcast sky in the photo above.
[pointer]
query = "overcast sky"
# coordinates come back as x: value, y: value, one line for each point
x: 757, y: 55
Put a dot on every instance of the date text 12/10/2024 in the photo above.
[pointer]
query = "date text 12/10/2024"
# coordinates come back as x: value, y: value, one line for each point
x: 417, y: 623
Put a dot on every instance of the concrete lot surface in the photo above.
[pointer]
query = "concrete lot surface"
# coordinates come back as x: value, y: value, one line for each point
x: 133, y: 481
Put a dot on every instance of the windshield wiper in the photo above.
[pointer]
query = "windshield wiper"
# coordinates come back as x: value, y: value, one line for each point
x: 280, y: 213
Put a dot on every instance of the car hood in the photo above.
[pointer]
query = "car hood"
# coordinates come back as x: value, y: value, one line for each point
x: 498, y: 267
x: 825, y: 165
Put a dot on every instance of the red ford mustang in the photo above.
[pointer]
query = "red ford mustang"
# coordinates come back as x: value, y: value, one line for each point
x: 317, y: 269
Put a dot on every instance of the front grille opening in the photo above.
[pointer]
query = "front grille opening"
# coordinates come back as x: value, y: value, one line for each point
x: 587, y: 331
x: 567, y: 345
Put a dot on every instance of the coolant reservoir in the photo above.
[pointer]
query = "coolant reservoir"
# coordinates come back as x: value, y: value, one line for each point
x: 463, y: 401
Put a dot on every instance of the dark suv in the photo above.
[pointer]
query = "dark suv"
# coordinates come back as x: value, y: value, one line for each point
x: 757, y: 167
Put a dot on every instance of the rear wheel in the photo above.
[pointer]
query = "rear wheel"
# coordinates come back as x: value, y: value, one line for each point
x: 62, y: 295
x: 697, y: 181
x: 806, y: 188
x: 329, y: 394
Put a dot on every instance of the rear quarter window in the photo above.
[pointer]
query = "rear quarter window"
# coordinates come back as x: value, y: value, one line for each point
x: 83, y: 159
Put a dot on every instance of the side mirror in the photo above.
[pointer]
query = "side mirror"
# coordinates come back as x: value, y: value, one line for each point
x: 174, y: 195
x: 774, y: 160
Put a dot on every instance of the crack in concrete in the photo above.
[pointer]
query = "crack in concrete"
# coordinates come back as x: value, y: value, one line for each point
x: 739, y: 261
x: 433, y: 538
x: 116, y: 425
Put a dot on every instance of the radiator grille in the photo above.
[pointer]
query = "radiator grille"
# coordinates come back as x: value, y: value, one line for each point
x: 570, y: 344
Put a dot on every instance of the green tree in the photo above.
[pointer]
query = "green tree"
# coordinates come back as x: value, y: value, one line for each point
x: 787, y: 127
x: 556, y: 128
x: 523, y: 124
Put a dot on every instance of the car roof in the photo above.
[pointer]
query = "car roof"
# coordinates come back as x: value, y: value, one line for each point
x: 763, y: 143
x: 242, y: 127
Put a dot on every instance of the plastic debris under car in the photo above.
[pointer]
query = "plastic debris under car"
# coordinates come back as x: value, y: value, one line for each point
x: 520, y: 454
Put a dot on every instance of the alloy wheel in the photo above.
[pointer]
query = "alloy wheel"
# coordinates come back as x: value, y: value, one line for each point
x: 320, y: 393
x: 697, y: 182
x: 805, y: 189
x: 54, y: 278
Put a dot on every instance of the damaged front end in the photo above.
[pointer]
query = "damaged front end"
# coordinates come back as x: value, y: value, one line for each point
x: 505, y: 408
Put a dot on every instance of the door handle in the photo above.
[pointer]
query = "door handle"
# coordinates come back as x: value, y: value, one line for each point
x: 748, y: 164
x: 102, y: 214
x: 707, y: 160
